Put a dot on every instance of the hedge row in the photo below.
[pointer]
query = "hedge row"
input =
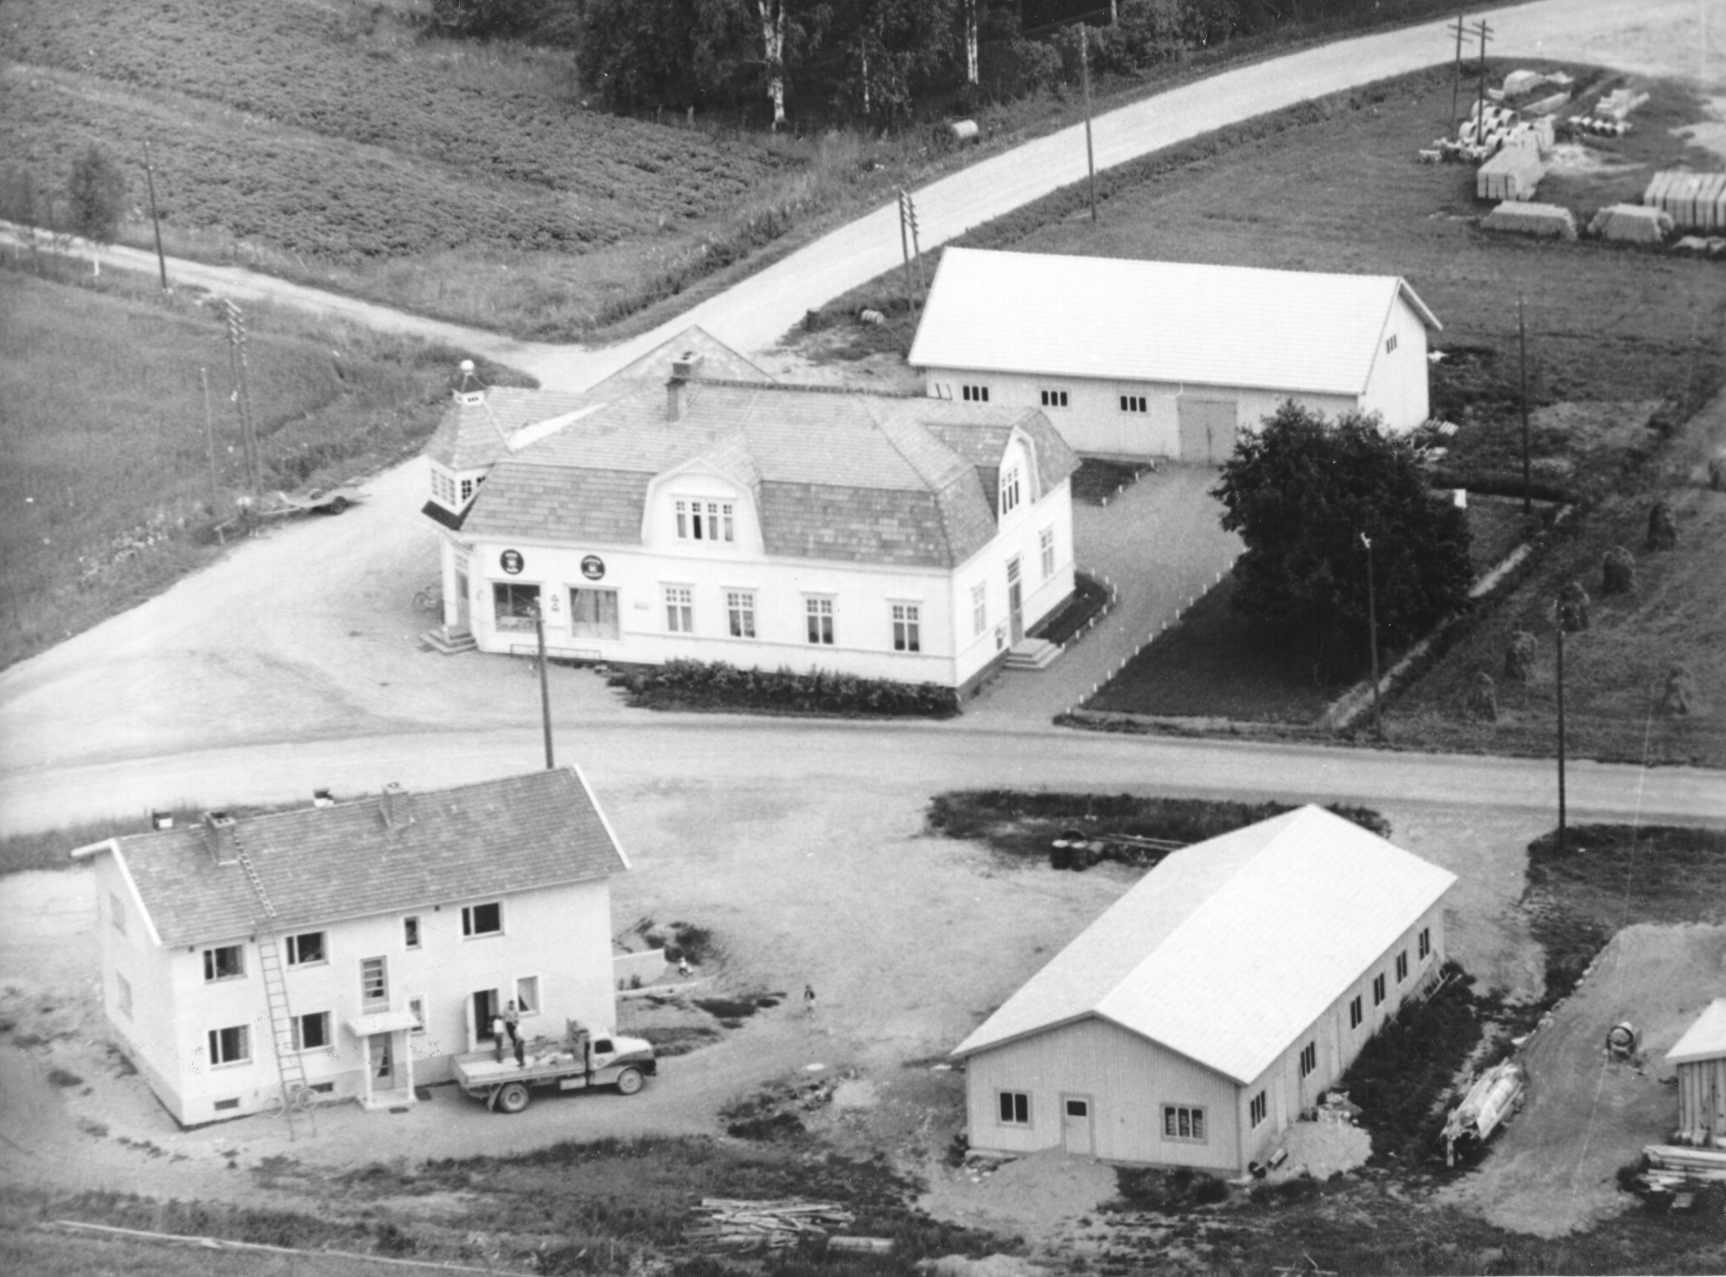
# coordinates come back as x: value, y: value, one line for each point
x: 716, y: 685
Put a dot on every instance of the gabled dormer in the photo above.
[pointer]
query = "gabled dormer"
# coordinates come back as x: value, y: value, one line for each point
x: 706, y: 505
x: 1017, y: 482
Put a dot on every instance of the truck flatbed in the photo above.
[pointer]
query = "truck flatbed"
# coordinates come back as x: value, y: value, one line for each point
x: 577, y: 1064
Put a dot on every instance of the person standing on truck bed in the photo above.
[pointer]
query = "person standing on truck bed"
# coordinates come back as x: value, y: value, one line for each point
x: 512, y: 1022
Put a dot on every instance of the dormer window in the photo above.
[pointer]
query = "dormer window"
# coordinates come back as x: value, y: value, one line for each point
x: 705, y: 520
x: 1010, y: 489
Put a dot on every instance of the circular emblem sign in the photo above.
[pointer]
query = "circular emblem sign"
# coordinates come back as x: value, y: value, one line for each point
x: 593, y: 567
x: 511, y: 561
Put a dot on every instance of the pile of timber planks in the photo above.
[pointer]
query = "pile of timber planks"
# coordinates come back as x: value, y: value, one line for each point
x: 783, y: 1222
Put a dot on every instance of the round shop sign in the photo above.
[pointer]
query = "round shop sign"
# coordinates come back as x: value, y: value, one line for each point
x: 593, y: 567
x: 511, y: 562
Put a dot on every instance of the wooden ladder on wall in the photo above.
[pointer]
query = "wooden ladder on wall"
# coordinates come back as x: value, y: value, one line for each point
x: 290, y: 1069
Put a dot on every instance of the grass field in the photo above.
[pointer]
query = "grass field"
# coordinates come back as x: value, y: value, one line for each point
x: 106, y: 497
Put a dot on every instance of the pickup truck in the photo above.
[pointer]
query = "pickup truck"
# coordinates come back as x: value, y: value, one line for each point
x: 581, y: 1062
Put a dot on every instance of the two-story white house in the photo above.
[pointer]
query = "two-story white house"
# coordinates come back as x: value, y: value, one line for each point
x: 729, y: 518
x: 352, y: 948
x: 1169, y: 359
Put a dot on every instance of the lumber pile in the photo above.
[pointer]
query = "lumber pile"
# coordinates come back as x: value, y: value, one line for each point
x: 1632, y: 224
x: 1518, y: 217
x: 746, y: 1225
x: 1696, y: 201
x: 1672, y: 1167
x: 1512, y: 174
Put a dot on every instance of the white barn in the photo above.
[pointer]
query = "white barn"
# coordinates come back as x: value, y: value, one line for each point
x: 1211, y: 1004
x: 1169, y: 359
x: 353, y: 948
x: 693, y: 508
x: 1700, y: 1058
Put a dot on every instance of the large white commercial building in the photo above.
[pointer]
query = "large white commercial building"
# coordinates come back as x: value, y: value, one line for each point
x: 1169, y: 359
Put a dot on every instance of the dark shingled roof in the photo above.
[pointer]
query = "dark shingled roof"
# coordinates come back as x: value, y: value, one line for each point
x: 321, y: 865
x: 836, y: 475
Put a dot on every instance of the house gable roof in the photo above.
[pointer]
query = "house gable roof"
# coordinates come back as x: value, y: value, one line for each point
x: 1140, y: 321
x: 834, y: 475
x: 1703, y: 1040
x: 322, y: 865
x: 1229, y: 950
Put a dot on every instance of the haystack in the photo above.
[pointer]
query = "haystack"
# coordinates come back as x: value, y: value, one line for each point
x: 1522, y: 218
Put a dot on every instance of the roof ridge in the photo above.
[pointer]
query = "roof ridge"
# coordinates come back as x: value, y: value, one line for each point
x: 860, y: 392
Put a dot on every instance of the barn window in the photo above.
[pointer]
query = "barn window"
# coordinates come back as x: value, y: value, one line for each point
x: 1402, y: 966
x: 1257, y: 1110
x: 1425, y: 942
x: 1378, y: 988
x: 1015, y: 1108
x: 1308, y: 1059
x: 1133, y: 403
x: 1184, y: 1122
x: 1054, y: 399
x: 975, y: 394
x: 1390, y: 344
x: 1354, y: 1016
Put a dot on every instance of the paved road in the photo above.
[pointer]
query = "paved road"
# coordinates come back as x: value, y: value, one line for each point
x: 306, y: 636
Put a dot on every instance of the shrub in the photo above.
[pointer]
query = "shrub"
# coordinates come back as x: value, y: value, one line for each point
x: 716, y: 685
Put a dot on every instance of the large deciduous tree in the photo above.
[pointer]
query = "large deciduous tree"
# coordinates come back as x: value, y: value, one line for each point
x: 95, y: 198
x: 1302, y: 493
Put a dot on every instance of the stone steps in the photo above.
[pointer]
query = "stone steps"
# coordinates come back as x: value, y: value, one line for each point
x: 448, y: 641
x: 1032, y: 654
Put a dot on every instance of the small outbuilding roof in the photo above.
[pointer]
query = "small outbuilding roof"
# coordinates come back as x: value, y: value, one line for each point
x: 398, y: 851
x: 1703, y: 1040
x: 1060, y: 316
x: 1230, y: 949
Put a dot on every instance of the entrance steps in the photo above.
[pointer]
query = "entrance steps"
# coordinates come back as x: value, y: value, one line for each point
x: 1032, y: 654
x: 449, y: 641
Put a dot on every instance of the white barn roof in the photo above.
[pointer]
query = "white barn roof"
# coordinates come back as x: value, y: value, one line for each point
x: 1230, y: 949
x: 1125, y: 320
x: 1704, y: 1040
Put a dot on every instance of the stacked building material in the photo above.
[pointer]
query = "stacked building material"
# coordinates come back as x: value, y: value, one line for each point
x: 1695, y: 201
x: 1632, y: 224
x: 745, y: 1224
x: 1523, y: 218
x: 1514, y: 173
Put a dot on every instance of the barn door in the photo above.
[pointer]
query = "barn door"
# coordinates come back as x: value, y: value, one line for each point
x: 1076, y: 1134
x: 1207, y: 428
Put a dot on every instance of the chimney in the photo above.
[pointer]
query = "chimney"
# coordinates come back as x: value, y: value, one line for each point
x: 395, y: 807
x: 469, y: 389
x: 221, y: 836
x: 684, y: 369
x: 161, y: 819
x: 323, y: 798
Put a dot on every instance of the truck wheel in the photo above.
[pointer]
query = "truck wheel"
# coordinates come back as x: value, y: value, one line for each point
x: 629, y: 1081
x: 513, y: 1097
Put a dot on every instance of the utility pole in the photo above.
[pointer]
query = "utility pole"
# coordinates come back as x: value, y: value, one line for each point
x: 916, y: 247
x: 905, y: 239
x: 1085, y: 78
x: 155, y: 217
x: 1484, y: 30
x: 544, y: 689
x: 1372, y: 631
x: 1522, y: 361
x: 210, y: 438
x: 1560, y: 680
x: 1456, y: 77
x: 236, y: 321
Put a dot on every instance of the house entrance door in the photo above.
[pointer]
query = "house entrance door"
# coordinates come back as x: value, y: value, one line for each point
x: 383, y: 1062
x: 461, y: 601
x: 482, y: 1010
x: 1076, y: 1135
x: 1015, y: 601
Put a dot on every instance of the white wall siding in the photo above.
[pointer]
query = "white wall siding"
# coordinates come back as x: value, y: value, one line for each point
x: 146, y: 1032
x: 1126, y: 1079
x: 1398, y: 386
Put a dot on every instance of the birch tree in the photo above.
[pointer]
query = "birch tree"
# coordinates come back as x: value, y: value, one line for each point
x: 772, y: 15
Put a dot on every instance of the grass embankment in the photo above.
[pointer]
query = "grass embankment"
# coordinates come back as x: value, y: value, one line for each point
x: 107, y: 496
x: 612, y: 1206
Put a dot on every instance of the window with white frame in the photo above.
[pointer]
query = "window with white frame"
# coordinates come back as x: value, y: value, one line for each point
x: 443, y: 486
x: 1308, y: 1059
x: 231, y: 1045
x: 907, y: 627
x: 740, y: 613
x: 1046, y: 544
x: 1054, y: 398
x: 1258, y: 1109
x: 975, y: 394
x: 312, y: 1031
x: 818, y: 615
x: 679, y: 609
x: 307, y: 949
x: 705, y: 520
x: 123, y: 994
x: 374, y: 982
x: 469, y: 487
x: 482, y: 920
x: 1425, y: 942
x: 1014, y: 1108
x: 1354, y: 1014
x: 527, y: 994
x: 979, y: 608
x: 1134, y: 403
x: 226, y: 962
x: 1184, y: 1122
x: 1378, y: 989
x: 1402, y: 966
x: 1009, y: 489
x: 117, y: 912
x: 514, y: 604
x: 411, y: 932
